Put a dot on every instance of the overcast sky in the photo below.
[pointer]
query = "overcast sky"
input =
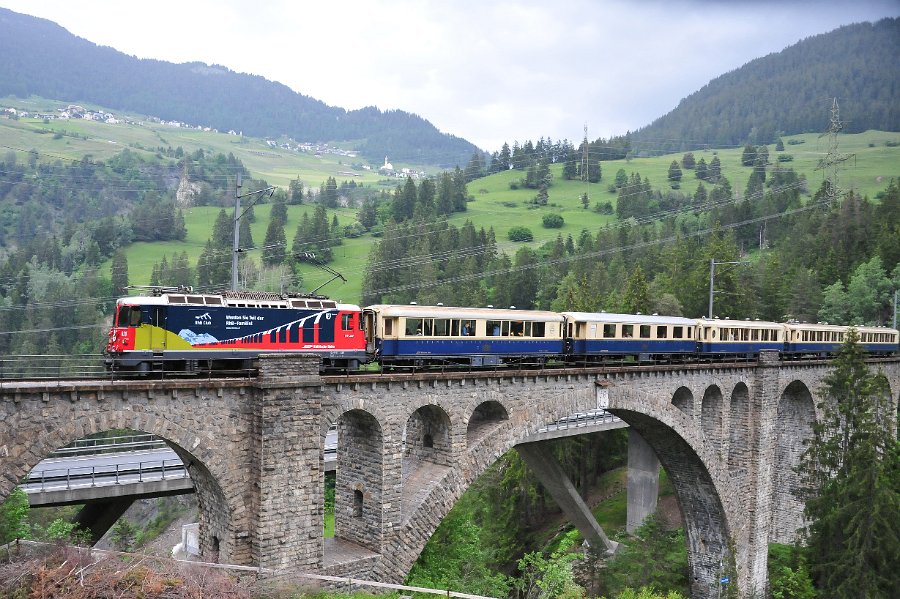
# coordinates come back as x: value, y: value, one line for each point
x: 488, y: 71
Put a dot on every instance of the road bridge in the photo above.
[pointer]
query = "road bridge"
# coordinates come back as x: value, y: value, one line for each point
x: 408, y: 446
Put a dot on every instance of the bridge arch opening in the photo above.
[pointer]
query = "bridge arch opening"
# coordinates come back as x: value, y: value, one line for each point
x: 793, y: 430
x: 711, y: 417
x: 103, y: 464
x: 707, y: 526
x: 359, y: 476
x: 486, y: 417
x: 684, y: 401
x: 739, y: 433
x: 427, y: 438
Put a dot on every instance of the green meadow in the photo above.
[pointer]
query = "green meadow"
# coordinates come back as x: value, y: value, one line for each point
x: 873, y: 158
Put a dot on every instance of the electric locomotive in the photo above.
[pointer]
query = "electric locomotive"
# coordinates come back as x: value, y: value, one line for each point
x: 175, y: 329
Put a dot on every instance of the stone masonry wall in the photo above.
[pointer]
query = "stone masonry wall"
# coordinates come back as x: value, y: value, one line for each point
x: 727, y: 435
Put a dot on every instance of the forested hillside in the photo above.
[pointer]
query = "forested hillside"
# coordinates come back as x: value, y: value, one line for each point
x: 74, y: 69
x: 782, y: 93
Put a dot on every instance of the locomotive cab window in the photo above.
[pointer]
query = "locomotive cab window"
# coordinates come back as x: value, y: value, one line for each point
x: 346, y: 322
x: 129, y: 316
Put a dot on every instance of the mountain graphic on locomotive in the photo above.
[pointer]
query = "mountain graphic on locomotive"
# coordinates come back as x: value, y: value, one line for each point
x: 175, y: 329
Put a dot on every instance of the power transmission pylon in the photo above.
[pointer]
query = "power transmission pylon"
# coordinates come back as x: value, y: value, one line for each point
x: 830, y: 164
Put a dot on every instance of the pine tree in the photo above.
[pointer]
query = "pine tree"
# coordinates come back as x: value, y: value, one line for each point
x: 851, y: 475
x: 275, y: 244
x: 119, y: 274
x: 674, y: 172
x: 637, y: 293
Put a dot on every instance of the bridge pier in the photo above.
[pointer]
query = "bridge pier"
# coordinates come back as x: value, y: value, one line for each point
x: 290, y: 481
x: 550, y: 473
x: 100, y: 515
x: 643, y: 481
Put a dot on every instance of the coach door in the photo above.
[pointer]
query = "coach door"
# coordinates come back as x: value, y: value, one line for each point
x: 370, y: 320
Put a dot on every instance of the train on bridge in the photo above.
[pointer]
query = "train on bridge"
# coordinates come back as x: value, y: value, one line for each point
x: 175, y: 329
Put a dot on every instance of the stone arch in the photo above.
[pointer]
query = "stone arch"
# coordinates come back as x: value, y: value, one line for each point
x: 739, y: 433
x: 218, y: 529
x: 704, y: 496
x: 793, y: 429
x: 708, y: 525
x: 486, y: 416
x: 427, y: 436
x: 711, y: 410
x: 684, y: 401
x: 359, y: 481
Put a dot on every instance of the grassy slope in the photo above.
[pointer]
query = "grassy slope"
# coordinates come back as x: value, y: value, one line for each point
x: 495, y: 204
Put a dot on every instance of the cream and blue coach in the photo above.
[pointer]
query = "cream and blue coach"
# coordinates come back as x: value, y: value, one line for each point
x: 417, y: 335
x: 804, y: 339
x: 592, y: 336
x: 725, y: 337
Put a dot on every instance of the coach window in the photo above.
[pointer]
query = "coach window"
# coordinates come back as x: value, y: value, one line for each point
x: 413, y: 327
x: 441, y: 327
x: 388, y: 326
x: 645, y: 331
x: 517, y: 328
x: 538, y: 329
x: 504, y: 328
x: 346, y: 322
x: 493, y: 328
x: 609, y: 331
x: 662, y: 332
x: 677, y: 332
x: 627, y: 330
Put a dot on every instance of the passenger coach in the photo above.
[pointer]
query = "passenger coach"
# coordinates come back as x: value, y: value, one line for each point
x: 744, y: 338
x: 592, y: 337
x: 803, y: 339
x: 418, y: 335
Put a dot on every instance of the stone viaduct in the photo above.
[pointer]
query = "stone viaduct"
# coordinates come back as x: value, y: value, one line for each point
x: 410, y: 445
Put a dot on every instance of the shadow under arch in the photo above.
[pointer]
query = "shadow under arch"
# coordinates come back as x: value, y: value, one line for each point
x: 739, y: 434
x: 486, y: 417
x: 793, y: 430
x: 427, y: 438
x: 218, y: 539
x: 707, y: 524
x: 711, y: 417
x: 683, y: 399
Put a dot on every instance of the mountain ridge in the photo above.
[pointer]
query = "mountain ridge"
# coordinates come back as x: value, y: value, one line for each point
x: 74, y: 68
x: 789, y: 92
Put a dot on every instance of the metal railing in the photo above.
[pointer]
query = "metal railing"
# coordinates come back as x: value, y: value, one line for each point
x: 110, y: 445
x: 51, y: 367
x: 581, y: 419
x: 109, y: 474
